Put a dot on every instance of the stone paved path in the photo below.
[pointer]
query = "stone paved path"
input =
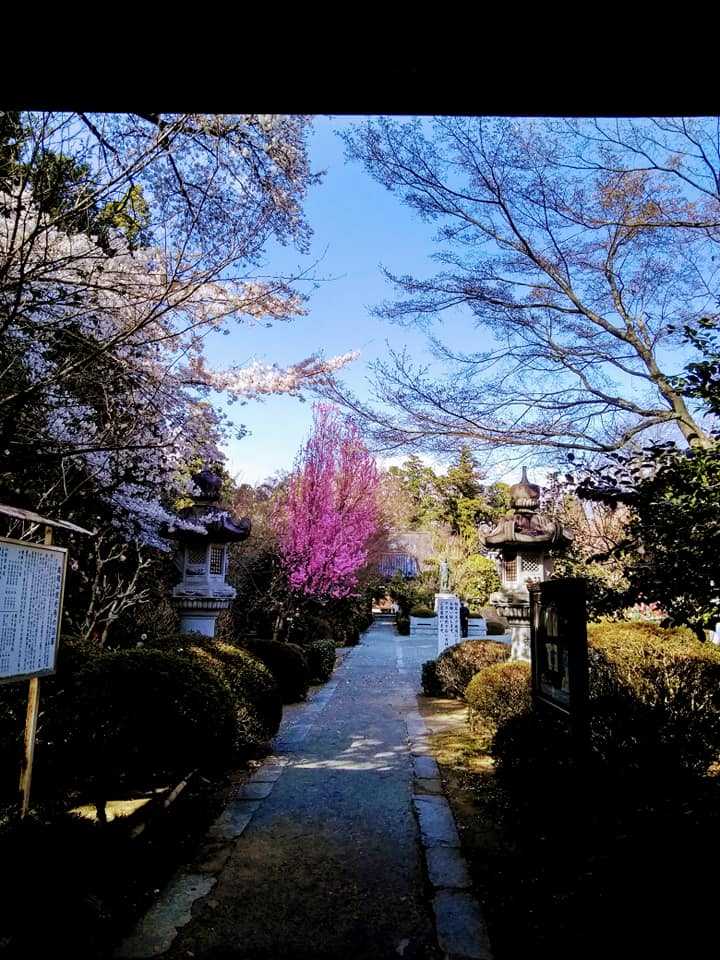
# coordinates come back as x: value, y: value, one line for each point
x: 325, y: 853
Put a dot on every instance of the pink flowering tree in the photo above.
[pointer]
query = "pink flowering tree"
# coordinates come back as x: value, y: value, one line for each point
x: 127, y: 243
x: 331, y: 515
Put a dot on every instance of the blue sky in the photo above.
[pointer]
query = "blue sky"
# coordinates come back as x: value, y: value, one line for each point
x: 357, y: 226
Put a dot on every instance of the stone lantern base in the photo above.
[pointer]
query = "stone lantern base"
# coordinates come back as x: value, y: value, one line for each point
x: 514, y: 606
x: 199, y: 614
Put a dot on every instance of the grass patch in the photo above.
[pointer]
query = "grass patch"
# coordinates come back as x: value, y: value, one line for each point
x: 462, y: 752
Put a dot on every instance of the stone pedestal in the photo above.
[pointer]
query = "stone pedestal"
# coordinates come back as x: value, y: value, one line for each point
x: 199, y: 614
x: 514, y: 606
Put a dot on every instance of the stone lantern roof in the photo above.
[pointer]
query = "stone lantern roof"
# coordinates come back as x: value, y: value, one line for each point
x: 526, y: 525
x: 220, y: 526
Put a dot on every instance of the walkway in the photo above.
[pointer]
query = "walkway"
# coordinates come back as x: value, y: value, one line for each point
x: 324, y: 853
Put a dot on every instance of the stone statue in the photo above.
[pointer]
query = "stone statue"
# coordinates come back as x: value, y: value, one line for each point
x: 444, y: 576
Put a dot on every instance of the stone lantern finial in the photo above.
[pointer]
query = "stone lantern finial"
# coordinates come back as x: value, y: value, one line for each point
x: 209, y: 484
x: 525, y: 495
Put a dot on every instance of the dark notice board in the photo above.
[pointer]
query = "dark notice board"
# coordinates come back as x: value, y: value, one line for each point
x: 558, y: 640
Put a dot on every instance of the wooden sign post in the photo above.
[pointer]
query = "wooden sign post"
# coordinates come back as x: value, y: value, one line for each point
x: 558, y: 640
x: 31, y: 718
x: 32, y: 586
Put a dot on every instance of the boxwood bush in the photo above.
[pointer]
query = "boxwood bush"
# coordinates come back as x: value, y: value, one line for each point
x: 430, y: 682
x: 654, y: 709
x: 288, y: 665
x: 497, y: 693
x: 655, y: 696
x: 320, y: 656
x: 255, y: 692
x: 309, y: 627
x: 456, y: 666
x: 256, y: 697
x: 424, y: 612
x: 533, y: 749
x: 251, y: 681
x: 402, y: 625
x: 148, y: 715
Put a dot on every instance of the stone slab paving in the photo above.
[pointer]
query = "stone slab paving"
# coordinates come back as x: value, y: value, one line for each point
x: 340, y: 845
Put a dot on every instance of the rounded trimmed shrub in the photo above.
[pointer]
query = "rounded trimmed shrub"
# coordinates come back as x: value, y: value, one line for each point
x: 144, y: 715
x: 653, y: 712
x: 497, y: 693
x: 456, y: 666
x: 308, y: 628
x: 494, y: 628
x: 288, y: 665
x: 320, y: 656
x: 528, y: 746
x: 655, y: 696
x: 429, y: 679
x: 250, y: 680
x: 255, y: 692
x: 402, y: 625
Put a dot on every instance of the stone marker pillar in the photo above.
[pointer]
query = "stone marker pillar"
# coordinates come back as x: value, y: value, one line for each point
x: 448, y: 620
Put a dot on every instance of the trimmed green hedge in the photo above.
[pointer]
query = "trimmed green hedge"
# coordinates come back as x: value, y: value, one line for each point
x: 402, y: 625
x: 655, y: 695
x: 148, y: 715
x: 251, y: 681
x: 456, y: 666
x: 654, y: 708
x: 497, y: 693
x: 310, y: 627
x: 424, y: 612
x: 255, y: 692
x: 320, y: 656
x: 256, y: 696
x: 287, y: 663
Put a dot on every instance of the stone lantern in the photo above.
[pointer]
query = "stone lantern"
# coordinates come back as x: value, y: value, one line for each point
x: 203, y: 592
x: 526, y: 540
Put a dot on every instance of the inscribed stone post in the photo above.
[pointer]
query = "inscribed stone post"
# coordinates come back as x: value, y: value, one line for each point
x: 448, y: 618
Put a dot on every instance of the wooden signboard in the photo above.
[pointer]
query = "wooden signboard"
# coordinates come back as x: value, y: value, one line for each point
x: 558, y: 643
x: 32, y: 583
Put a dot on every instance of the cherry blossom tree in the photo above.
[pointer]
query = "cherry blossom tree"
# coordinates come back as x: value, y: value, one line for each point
x: 331, y: 516
x: 125, y: 240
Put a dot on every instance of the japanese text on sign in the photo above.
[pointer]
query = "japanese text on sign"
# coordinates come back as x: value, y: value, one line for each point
x: 448, y: 618
x: 31, y: 589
